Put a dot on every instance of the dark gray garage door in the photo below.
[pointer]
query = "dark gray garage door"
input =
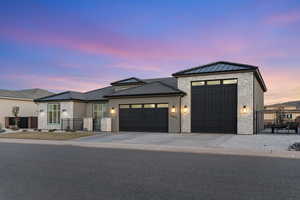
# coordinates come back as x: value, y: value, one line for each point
x: 214, y: 106
x: 144, y: 117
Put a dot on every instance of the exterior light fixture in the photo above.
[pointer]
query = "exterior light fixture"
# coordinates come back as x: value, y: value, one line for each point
x: 64, y: 110
x: 244, y: 109
x: 185, y: 109
x: 173, y: 109
x: 112, y: 110
x: 41, y: 111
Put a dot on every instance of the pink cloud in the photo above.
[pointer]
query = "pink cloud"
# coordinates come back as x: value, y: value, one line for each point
x: 58, y: 83
x: 285, y: 18
x: 283, y: 85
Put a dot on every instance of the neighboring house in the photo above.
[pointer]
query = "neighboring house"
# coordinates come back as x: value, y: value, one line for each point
x: 22, y: 99
x: 220, y: 97
x: 287, y: 112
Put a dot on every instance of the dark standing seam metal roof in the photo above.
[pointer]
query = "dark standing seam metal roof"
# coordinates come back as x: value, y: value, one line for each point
x: 153, y: 88
x: 69, y: 95
x: 221, y: 66
x: 101, y: 94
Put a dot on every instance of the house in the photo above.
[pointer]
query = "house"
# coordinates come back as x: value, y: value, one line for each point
x: 220, y: 97
x: 24, y: 99
x: 284, y: 112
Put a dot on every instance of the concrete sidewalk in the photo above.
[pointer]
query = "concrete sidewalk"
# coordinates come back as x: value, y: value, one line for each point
x: 166, y: 148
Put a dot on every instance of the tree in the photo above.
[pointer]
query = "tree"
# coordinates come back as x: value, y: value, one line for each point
x: 15, y: 112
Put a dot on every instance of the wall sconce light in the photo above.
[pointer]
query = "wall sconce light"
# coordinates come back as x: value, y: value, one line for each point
x: 112, y: 110
x: 244, y: 110
x: 173, y: 109
x: 185, y: 109
x: 64, y: 110
x: 41, y: 111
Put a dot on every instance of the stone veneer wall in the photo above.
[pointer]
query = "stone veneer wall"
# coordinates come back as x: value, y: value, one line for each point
x: 245, y: 122
x: 258, y: 106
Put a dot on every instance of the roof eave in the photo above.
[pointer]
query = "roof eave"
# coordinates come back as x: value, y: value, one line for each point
x: 147, y: 95
x: 218, y: 72
x: 58, y: 100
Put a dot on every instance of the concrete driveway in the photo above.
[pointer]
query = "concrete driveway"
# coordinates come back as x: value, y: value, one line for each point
x: 226, y: 141
x: 191, y: 140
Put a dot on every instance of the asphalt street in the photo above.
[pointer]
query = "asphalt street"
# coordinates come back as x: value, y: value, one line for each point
x: 48, y: 172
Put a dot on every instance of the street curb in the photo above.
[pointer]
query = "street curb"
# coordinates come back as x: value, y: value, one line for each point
x: 162, y: 148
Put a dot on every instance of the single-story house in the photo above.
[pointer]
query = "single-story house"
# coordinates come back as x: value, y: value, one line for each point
x: 220, y: 97
x: 281, y: 112
x: 24, y: 99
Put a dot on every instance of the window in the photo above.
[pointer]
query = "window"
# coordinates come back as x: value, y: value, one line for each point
x: 230, y: 81
x: 53, y: 113
x: 163, y: 105
x: 217, y: 82
x: 149, y: 105
x: 100, y: 110
x: 136, y: 106
x: 124, y: 106
x: 198, y: 83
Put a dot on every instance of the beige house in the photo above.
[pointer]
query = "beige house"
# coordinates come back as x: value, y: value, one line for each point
x: 220, y: 97
x: 288, y: 113
x: 24, y: 99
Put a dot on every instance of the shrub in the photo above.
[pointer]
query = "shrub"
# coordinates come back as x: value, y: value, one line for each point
x: 295, y: 147
x: 52, y: 130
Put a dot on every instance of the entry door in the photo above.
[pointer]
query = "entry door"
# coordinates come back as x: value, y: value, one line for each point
x: 143, y: 119
x: 214, y: 108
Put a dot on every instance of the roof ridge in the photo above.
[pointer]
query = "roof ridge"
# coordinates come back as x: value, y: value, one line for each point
x: 53, y: 95
x: 137, y: 79
x: 97, y: 89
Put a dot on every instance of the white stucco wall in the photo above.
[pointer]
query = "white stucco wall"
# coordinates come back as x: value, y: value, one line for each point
x: 27, y: 108
x: 245, y: 122
x: 43, y: 118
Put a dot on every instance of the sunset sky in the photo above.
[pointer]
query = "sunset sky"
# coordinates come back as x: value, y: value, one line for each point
x: 86, y: 44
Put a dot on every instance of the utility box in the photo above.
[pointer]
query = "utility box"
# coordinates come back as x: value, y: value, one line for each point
x: 106, y: 124
x: 88, y: 124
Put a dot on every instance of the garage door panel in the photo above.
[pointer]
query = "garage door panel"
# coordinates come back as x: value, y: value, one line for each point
x: 214, y: 108
x: 144, y: 119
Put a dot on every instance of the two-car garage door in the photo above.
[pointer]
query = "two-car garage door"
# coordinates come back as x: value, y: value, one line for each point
x: 214, y: 106
x: 144, y: 117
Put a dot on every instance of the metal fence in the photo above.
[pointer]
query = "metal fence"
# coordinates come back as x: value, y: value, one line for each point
x: 278, y: 121
x: 97, y: 124
x: 72, y: 124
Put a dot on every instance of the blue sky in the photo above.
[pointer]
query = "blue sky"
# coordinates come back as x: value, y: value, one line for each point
x: 83, y: 45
